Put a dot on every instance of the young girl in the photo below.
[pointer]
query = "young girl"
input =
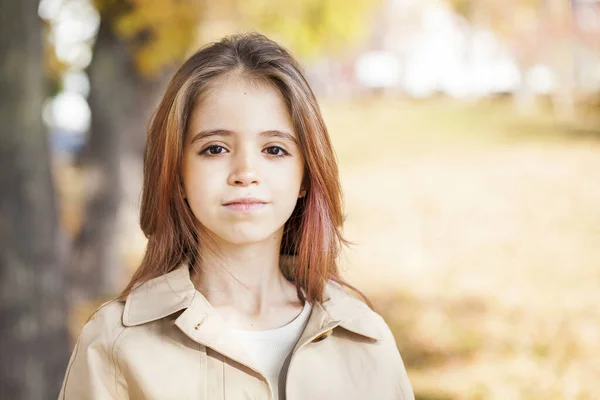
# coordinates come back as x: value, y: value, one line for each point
x: 238, y: 295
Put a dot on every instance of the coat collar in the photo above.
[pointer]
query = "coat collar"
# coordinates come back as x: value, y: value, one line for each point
x: 174, y: 291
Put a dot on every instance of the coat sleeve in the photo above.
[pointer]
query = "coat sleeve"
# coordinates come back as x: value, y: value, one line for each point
x: 398, y: 376
x: 93, y: 372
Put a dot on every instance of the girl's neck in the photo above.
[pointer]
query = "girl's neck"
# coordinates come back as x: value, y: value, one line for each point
x: 246, y: 278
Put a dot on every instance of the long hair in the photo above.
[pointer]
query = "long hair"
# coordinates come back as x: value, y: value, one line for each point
x: 312, y: 238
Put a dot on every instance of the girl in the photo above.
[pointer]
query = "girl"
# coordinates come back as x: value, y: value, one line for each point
x: 238, y: 295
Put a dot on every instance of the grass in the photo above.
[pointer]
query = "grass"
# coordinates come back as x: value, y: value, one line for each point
x: 477, y: 235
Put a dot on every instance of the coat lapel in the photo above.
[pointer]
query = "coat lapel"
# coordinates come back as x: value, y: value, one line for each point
x: 174, y: 292
x: 201, y: 322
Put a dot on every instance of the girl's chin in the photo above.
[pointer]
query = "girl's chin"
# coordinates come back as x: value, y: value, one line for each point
x: 243, y: 233
x: 247, y: 239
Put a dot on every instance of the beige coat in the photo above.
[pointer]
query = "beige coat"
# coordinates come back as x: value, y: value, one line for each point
x: 167, y: 342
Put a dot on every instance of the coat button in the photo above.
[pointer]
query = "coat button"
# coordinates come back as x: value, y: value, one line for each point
x: 322, y: 336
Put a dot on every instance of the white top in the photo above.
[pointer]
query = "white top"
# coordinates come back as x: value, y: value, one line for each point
x: 270, y: 349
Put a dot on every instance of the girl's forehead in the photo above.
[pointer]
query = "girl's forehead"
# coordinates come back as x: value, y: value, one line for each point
x: 230, y: 89
x: 241, y: 105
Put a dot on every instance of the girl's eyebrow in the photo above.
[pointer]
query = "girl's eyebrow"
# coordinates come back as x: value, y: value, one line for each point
x: 224, y: 132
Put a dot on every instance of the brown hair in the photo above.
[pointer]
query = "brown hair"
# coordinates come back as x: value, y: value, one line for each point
x: 312, y: 236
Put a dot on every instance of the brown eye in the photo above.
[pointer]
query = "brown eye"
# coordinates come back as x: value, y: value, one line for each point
x: 213, y: 150
x: 277, y: 151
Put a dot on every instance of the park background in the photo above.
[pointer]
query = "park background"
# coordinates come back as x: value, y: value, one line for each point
x: 468, y: 138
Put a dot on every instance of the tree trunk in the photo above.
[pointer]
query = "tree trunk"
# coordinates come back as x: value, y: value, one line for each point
x: 33, y: 326
x: 120, y: 102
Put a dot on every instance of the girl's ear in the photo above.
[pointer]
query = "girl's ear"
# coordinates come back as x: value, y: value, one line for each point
x: 303, y: 189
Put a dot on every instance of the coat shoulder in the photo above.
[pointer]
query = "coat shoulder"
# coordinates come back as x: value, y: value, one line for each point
x: 356, y: 315
x: 105, y: 324
x: 109, y: 313
x: 378, y: 321
x: 391, y: 360
x: 360, y: 318
x: 92, y: 371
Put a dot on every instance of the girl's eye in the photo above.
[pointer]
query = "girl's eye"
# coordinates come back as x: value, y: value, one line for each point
x: 277, y: 151
x: 216, y: 150
x: 213, y: 150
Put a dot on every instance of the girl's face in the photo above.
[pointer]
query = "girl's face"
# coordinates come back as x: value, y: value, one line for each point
x: 241, y: 144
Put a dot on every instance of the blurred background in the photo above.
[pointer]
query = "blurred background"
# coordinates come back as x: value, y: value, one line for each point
x: 468, y: 137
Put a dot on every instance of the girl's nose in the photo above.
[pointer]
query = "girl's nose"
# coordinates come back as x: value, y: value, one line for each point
x: 244, y: 172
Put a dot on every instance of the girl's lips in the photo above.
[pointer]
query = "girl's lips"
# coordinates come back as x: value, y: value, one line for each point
x: 245, y: 207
